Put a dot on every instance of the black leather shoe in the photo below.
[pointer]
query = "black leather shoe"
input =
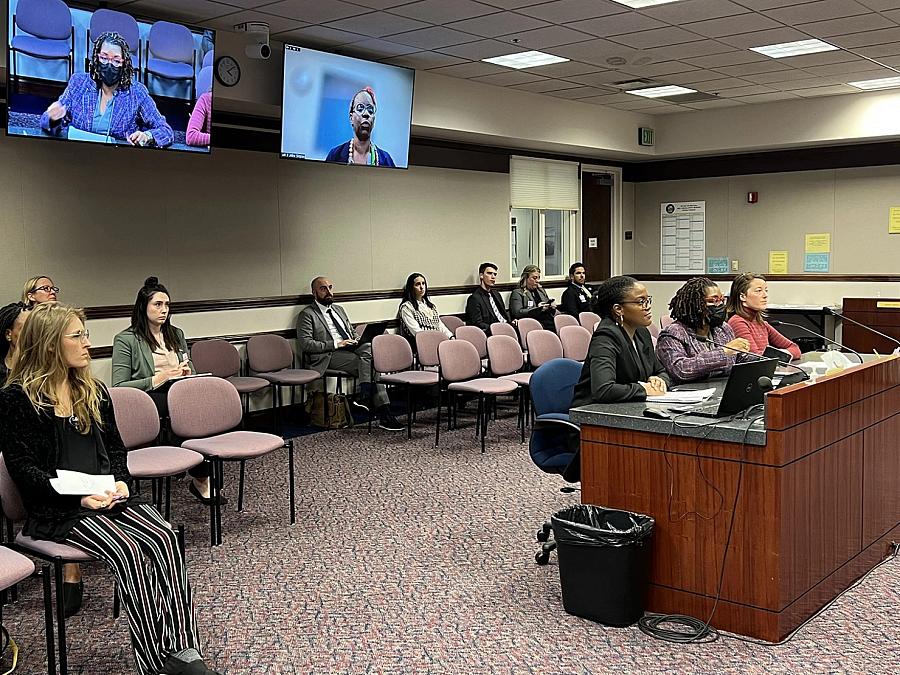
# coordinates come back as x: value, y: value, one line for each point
x: 205, y: 500
x: 72, y: 596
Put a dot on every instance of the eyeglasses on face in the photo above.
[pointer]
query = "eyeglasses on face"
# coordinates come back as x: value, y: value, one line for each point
x: 81, y: 336
x: 117, y: 61
x: 364, y: 107
x: 46, y: 289
x: 644, y: 303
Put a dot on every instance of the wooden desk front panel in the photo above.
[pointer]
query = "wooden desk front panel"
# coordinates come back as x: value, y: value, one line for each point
x: 881, y: 461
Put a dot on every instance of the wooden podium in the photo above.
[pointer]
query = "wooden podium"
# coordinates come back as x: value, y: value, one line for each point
x: 819, y: 503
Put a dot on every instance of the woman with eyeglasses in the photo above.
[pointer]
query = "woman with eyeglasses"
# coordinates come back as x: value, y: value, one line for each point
x: 149, y: 354
x: 107, y: 101
x: 621, y: 364
x: 361, y: 149
x: 39, y: 289
x: 746, y: 309
x: 699, y: 343
x: 56, y: 415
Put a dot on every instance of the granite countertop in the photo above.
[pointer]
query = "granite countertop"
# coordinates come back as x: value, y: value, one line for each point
x: 631, y: 416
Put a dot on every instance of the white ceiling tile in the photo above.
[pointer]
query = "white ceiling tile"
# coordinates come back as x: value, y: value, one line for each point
x: 243, y: 4
x: 568, y: 69
x: 546, y: 85
x: 602, y: 78
x: 277, y: 24
x: 443, y: 11
x: 832, y: 90
x: 377, y: 24
x: 639, y: 103
x: 732, y: 25
x: 769, y: 4
x: 374, y: 4
x: 779, y: 76
x: 608, y: 99
x: 765, y: 37
x: 880, y: 5
x: 666, y: 110
x: 893, y: 15
x: 618, y: 24
x: 580, y: 92
x: 501, y: 23
x: 509, y: 78
x: 734, y: 58
x: 854, y: 66
x: 377, y: 48
x: 695, y: 77
x: 768, y: 98
x: 435, y: 37
x: 881, y: 50
x: 868, y: 38
x: 512, y: 4
x: 313, y: 11
x: 691, y: 49
x: 727, y: 83
x: 715, y: 103
x: 425, y: 60
x: 816, y: 11
x: 598, y: 51
x: 737, y: 92
x: 481, y: 49
x: 564, y: 11
x: 319, y: 36
x: 660, y: 37
x: 658, y: 69
x: 548, y: 37
x: 753, y: 68
x: 680, y: 13
x: 847, y: 25
x: 794, y: 85
x: 822, y: 58
x: 475, y: 69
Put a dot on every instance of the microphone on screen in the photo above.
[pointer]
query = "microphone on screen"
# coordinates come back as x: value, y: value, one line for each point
x: 819, y: 335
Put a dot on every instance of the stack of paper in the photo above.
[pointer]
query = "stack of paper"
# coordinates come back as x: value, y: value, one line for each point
x: 82, y: 484
x: 683, y: 396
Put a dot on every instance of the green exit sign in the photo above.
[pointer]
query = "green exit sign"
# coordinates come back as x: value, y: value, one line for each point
x: 645, y: 136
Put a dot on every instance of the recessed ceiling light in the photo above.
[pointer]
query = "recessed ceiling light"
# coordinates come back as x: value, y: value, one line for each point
x: 660, y: 92
x: 797, y: 48
x: 638, y: 4
x: 525, y: 60
x: 880, y: 83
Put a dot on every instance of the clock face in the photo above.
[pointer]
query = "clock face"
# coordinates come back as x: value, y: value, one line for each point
x: 228, y: 72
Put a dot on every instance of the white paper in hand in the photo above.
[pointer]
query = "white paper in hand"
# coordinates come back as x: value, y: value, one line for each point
x: 82, y: 484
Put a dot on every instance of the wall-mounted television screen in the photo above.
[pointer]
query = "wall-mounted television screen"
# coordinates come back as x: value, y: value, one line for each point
x: 103, y: 76
x: 345, y: 110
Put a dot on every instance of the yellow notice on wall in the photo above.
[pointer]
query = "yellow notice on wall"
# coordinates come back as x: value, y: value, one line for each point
x: 818, y: 243
x: 894, y: 220
x: 778, y: 262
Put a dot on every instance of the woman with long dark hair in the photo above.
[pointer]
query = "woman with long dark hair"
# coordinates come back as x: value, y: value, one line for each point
x: 621, y: 364
x: 12, y: 318
x: 417, y: 312
x: 149, y: 354
x: 699, y: 342
x: 56, y: 415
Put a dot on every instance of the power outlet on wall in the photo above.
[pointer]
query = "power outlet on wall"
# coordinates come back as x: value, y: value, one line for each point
x: 735, y: 266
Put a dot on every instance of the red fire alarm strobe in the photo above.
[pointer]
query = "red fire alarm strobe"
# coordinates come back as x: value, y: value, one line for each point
x: 752, y: 197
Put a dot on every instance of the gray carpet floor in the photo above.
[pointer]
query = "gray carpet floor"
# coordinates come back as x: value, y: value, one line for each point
x: 411, y: 559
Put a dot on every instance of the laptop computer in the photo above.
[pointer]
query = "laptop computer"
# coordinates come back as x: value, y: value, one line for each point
x: 741, y: 391
x: 372, y: 330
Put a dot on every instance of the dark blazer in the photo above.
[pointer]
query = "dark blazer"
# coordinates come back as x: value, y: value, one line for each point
x: 314, y: 340
x: 31, y: 450
x: 613, y: 368
x: 573, y: 302
x: 479, y: 312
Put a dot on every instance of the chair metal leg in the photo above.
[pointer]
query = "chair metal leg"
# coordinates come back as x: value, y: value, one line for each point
x: 487, y: 416
x: 220, y: 479
x: 437, y: 426
x: 60, y: 617
x: 117, y: 608
x: 168, y: 497
x: 479, y: 417
x: 212, y: 506
x: 48, y: 620
x: 241, y: 488
x: 409, y: 411
x: 290, y: 445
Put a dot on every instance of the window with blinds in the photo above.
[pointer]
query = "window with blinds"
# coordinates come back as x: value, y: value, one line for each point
x: 543, y: 184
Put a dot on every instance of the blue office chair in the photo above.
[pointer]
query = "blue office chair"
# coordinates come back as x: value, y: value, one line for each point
x: 555, y: 439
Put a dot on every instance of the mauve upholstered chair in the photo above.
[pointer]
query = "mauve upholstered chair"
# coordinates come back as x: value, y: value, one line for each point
x: 525, y: 326
x: 50, y: 33
x: 452, y: 322
x: 15, y: 567
x: 205, y: 410
x: 138, y: 421
x: 170, y: 54
x: 111, y: 21
x: 49, y: 551
x: 543, y: 345
x: 427, y: 342
x: 507, y: 360
x: 561, y: 320
x: 665, y: 321
x: 460, y: 368
x: 392, y: 363
x: 271, y: 358
x: 589, y: 320
x: 575, y: 342
x: 220, y: 358
x: 498, y: 328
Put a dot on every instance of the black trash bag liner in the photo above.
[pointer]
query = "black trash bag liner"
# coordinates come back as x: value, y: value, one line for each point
x: 589, y: 525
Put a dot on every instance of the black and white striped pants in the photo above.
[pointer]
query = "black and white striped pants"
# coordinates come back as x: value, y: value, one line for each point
x: 144, y: 555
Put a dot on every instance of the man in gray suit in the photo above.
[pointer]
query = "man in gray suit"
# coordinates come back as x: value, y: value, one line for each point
x: 329, y: 341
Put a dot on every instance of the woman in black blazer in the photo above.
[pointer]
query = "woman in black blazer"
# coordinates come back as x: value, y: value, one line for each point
x: 621, y: 364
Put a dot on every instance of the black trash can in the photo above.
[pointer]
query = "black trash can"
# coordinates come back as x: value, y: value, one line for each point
x: 604, y: 562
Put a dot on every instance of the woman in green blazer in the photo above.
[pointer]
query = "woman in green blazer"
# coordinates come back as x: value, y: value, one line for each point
x: 151, y: 352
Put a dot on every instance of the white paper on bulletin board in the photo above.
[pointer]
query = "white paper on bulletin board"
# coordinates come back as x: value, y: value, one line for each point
x: 682, y: 229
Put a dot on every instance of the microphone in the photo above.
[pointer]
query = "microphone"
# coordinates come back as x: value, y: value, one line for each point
x: 765, y: 383
x: 844, y: 317
x: 812, y: 332
x: 709, y: 340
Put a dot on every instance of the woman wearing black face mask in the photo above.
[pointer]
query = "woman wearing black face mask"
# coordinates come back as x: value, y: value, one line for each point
x: 699, y: 343
x: 108, y: 102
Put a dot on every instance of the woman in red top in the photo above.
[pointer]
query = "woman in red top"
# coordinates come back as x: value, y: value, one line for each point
x: 747, y: 304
